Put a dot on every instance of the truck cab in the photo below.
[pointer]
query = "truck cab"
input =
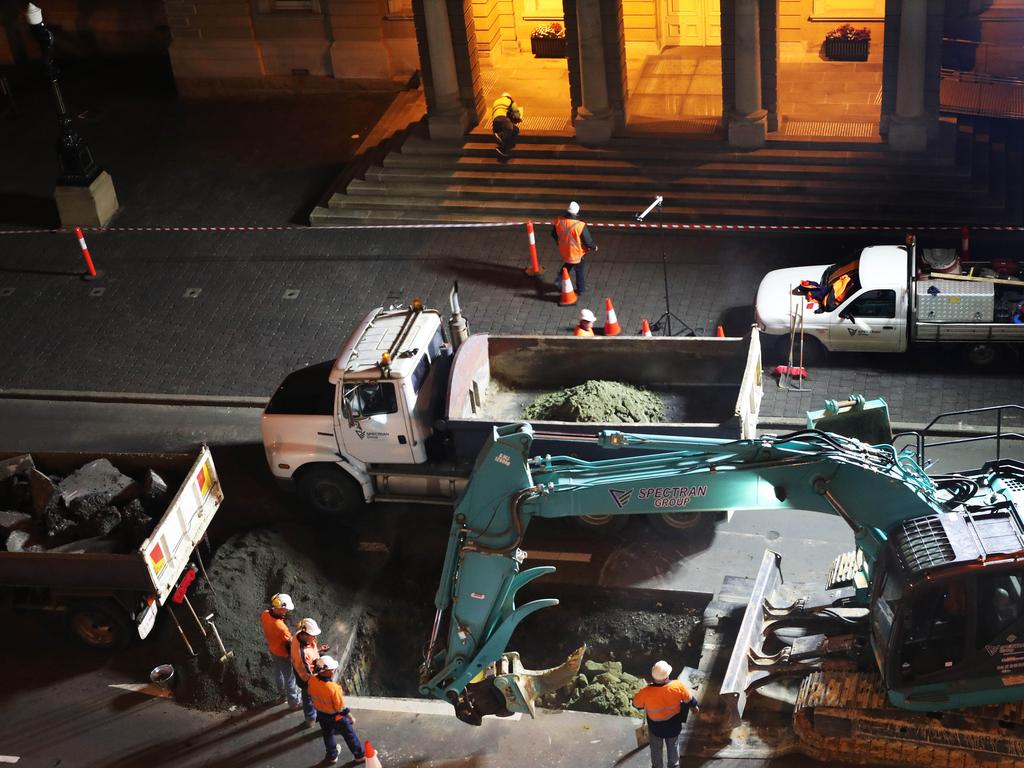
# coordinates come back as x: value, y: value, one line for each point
x: 870, y: 315
x: 384, y: 410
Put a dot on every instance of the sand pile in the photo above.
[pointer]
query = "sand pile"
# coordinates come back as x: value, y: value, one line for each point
x: 247, y: 570
x: 609, y: 402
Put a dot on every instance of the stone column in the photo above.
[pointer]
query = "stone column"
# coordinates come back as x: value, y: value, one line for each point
x: 594, y: 119
x: 748, y: 123
x: 908, y: 129
x: 447, y: 118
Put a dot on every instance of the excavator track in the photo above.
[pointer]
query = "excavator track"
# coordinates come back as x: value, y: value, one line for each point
x: 846, y: 717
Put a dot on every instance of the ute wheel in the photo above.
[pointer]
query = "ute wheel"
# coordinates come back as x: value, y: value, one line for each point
x: 982, y: 355
x: 676, y: 523
x: 330, y: 490
x: 602, y: 525
x: 100, y: 625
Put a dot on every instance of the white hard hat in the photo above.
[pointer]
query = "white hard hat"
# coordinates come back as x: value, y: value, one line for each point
x: 326, y: 664
x: 661, y: 671
x: 586, y: 314
x: 573, y: 208
x: 310, y: 627
x: 281, y: 600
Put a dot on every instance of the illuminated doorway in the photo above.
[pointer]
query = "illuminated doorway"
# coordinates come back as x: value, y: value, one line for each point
x: 674, y: 67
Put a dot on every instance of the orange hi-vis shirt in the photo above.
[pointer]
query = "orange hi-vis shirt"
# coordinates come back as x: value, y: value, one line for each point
x: 277, y: 633
x: 303, y: 657
x: 326, y: 696
x: 583, y: 331
x: 570, y: 244
x: 662, y: 702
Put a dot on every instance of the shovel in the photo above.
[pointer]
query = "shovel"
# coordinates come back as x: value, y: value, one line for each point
x: 225, y: 654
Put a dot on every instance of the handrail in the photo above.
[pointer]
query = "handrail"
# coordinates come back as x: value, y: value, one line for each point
x: 920, y: 435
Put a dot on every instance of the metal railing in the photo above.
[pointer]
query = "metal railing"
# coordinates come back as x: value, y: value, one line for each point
x: 981, y: 78
x: 999, y: 435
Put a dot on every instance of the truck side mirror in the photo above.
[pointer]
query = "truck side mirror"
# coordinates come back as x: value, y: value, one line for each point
x: 346, y: 411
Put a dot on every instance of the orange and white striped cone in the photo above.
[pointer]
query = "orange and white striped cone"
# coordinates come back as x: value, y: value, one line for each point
x: 645, y: 328
x: 372, y: 761
x: 568, y: 294
x: 611, y: 322
x: 720, y: 331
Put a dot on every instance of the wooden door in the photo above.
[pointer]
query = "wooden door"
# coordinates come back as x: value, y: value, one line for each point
x: 693, y: 22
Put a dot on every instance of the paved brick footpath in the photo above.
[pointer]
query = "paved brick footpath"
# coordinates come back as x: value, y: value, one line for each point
x: 208, y: 313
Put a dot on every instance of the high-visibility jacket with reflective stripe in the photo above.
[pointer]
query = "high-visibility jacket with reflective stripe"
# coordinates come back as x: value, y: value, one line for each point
x: 303, y: 657
x: 569, y: 232
x: 277, y: 633
x: 664, y: 701
x: 583, y: 331
x: 501, y: 106
x: 326, y: 696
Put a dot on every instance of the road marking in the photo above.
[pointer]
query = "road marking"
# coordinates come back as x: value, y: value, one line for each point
x: 9, y: 759
x: 147, y: 689
x: 565, y: 557
x: 413, y: 706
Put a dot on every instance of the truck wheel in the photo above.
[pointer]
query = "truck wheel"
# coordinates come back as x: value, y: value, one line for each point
x: 330, y: 491
x: 100, y: 625
x: 982, y: 355
x: 675, y: 523
x: 602, y: 525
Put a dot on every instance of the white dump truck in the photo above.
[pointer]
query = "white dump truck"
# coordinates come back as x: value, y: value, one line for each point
x: 108, y: 591
x: 400, y: 415
x: 894, y: 298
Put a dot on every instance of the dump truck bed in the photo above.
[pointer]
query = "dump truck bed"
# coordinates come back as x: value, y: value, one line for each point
x: 157, y: 563
x: 710, y: 386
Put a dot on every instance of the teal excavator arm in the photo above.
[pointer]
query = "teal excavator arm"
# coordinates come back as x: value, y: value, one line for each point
x: 871, y: 487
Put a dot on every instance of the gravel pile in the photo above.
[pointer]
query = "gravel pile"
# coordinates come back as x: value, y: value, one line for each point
x: 247, y: 570
x: 607, y: 402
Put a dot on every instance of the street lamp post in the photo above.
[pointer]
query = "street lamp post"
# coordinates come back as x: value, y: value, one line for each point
x: 85, y: 192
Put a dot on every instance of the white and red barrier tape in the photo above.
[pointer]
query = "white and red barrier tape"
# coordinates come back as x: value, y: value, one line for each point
x: 693, y: 227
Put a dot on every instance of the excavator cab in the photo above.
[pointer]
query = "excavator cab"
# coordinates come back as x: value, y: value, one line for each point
x: 951, y: 635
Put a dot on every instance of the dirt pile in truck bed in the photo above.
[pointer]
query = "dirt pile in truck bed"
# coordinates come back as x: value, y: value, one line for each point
x: 609, y: 402
x: 247, y: 570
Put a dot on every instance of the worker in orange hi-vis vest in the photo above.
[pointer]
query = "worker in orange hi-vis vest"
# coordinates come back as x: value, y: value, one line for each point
x: 574, y: 242
x: 304, y: 655
x: 586, y: 326
x: 279, y: 639
x: 667, y: 703
x: 331, y: 712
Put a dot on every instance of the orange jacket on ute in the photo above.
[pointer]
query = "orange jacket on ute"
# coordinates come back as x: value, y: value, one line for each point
x: 327, y: 696
x: 277, y: 633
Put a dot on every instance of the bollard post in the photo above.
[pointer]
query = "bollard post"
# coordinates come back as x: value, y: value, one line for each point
x: 534, y: 268
x: 92, y: 274
x: 965, y: 243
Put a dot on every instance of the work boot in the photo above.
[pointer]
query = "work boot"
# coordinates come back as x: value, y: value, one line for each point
x: 308, y: 723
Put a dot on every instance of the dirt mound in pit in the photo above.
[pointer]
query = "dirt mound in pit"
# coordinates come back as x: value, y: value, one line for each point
x: 608, y: 402
x: 247, y: 570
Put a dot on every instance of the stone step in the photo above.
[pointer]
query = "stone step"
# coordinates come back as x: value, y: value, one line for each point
x: 628, y: 150
x: 541, y: 179
x: 698, y: 167
x: 602, y: 209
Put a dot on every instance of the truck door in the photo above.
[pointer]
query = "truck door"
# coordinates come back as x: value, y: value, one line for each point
x: 373, y: 422
x: 867, y: 322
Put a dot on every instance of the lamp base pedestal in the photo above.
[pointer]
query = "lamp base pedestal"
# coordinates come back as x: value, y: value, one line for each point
x: 91, y: 206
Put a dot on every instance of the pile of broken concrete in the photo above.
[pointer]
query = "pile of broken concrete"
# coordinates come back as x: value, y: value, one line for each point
x: 601, y: 687
x: 97, y: 508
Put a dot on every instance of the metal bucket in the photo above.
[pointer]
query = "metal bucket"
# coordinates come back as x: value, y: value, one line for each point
x: 163, y: 676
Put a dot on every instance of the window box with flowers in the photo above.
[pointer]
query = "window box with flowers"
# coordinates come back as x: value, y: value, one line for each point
x: 844, y: 43
x: 547, y: 41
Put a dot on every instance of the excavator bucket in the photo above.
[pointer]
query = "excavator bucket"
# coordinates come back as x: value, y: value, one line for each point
x: 741, y: 673
x: 521, y: 687
x: 866, y: 420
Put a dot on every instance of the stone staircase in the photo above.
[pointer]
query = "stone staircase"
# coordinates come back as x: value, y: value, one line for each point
x: 973, y: 176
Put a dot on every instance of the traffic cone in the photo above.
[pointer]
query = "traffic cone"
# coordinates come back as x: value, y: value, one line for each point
x: 611, y: 322
x: 720, y: 331
x: 645, y: 328
x: 568, y: 294
x: 372, y: 761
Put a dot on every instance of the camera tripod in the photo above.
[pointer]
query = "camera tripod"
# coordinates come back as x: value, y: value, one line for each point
x: 664, y: 322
